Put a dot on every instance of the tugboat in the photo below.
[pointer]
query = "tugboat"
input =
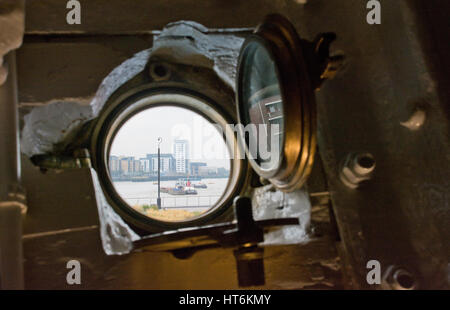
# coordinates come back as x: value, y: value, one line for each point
x: 200, y: 185
x: 177, y: 190
x: 190, y: 191
x: 186, y: 185
x: 181, y: 188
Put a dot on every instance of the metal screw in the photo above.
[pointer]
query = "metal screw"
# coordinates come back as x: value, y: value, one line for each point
x: 357, y: 168
x: 159, y: 72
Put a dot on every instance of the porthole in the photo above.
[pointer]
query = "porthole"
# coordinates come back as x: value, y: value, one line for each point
x: 186, y: 185
x: 200, y: 169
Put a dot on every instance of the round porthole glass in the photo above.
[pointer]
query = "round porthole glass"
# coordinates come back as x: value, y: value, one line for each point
x: 167, y: 158
x: 193, y: 169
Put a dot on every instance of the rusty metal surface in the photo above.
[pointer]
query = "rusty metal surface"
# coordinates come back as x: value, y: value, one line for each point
x: 58, y: 200
x: 49, y: 67
x: 401, y: 216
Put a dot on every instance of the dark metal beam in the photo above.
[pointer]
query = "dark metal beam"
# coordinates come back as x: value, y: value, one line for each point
x: 11, y: 256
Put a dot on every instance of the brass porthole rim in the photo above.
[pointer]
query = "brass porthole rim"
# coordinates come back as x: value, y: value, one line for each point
x: 113, y: 110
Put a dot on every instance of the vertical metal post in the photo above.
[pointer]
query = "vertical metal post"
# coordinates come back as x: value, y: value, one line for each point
x: 11, y: 198
x: 158, y: 201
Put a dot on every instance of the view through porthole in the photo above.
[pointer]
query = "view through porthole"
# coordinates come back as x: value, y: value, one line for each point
x: 194, y: 163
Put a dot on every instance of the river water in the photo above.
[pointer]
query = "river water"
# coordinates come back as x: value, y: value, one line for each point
x: 141, y: 193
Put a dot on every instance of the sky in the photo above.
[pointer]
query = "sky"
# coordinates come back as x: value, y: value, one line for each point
x: 139, y: 135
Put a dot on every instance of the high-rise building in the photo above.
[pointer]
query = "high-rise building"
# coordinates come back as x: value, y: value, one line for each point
x: 181, y: 154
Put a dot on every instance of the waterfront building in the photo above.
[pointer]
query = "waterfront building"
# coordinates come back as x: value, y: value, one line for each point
x: 195, y: 166
x: 205, y: 171
x: 114, y: 164
x: 145, y: 165
x: 167, y: 162
x: 126, y: 165
x: 136, y: 166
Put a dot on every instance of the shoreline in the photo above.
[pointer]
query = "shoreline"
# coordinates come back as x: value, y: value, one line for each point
x: 165, y: 178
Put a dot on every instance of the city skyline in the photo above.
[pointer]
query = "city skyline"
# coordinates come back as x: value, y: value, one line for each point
x: 170, y: 164
x: 129, y: 166
x: 138, y: 136
x: 168, y: 161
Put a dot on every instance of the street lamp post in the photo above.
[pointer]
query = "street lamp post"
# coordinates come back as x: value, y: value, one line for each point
x: 158, y: 200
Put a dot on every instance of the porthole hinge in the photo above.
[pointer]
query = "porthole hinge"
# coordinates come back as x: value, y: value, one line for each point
x: 323, y: 65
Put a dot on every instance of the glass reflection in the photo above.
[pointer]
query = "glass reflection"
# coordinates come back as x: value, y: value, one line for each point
x: 262, y: 105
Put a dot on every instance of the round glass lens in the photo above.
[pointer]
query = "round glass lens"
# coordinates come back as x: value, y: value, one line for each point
x: 169, y: 163
x: 262, y: 106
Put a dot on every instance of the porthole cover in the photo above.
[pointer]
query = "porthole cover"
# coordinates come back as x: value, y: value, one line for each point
x: 277, y: 75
